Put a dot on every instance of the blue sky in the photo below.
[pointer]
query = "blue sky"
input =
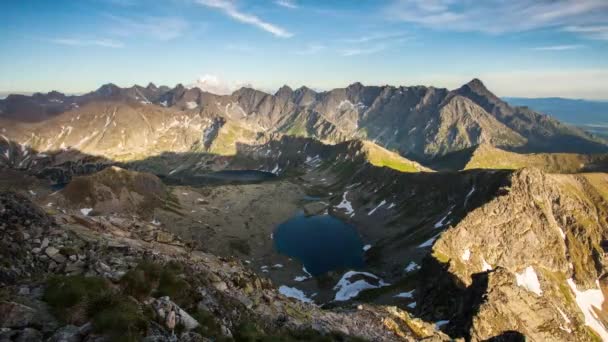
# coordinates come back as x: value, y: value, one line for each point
x: 518, y: 47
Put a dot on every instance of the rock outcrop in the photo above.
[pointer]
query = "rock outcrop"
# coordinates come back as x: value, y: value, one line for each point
x: 521, y: 261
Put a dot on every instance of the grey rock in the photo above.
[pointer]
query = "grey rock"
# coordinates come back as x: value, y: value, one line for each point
x: 165, y: 308
x: 15, y: 315
x: 29, y: 335
x: 68, y: 333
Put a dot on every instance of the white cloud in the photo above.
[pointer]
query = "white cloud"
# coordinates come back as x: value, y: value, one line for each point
x: 287, y: 3
x: 498, y: 16
x: 109, y: 43
x: 160, y: 28
x: 598, y: 32
x: 362, y: 51
x: 377, y: 37
x: 215, y: 85
x: 230, y: 9
x: 558, y: 47
x: 310, y: 49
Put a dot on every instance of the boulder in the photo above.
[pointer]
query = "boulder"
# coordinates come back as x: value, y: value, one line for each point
x: 171, y: 315
x: 15, y: 315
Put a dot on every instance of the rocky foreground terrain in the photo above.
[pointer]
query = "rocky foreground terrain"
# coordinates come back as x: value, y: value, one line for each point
x: 116, y: 222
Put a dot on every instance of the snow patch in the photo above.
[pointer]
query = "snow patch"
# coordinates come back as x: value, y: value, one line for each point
x: 466, y: 255
x: 466, y: 199
x: 191, y: 105
x: 566, y: 320
x: 429, y: 242
x: 412, y: 266
x: 528, y: 280
x: 442, y: 222
x: 589, y: 301
x: 155, y: 222
x: 485, y: 266
x: 347, y: 289
x: 366, y: 247
x: 346, y: 205
x: 409, y: 294
x: 439, y: 324
x: 292, y: 292
x: 276, y: 169
x: 376, y: 208
x: 86, y: 211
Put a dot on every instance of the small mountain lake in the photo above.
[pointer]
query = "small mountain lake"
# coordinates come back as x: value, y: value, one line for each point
x: 321, y: 243
x: 223, y: 177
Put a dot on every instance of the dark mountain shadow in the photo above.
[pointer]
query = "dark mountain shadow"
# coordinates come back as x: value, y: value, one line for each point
x: 442, y: 296
x: 508, y: 336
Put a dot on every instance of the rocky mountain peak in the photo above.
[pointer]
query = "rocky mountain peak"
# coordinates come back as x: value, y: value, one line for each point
x: 284, y: 92
x: 109, y: 89
x: 357, y: 86
x: 151, y: 86
x: 476, y: 87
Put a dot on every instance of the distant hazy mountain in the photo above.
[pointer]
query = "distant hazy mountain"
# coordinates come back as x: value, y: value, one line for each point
x: 588, y: 114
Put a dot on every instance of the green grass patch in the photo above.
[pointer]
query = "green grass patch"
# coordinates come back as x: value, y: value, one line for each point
x: 69, y: 296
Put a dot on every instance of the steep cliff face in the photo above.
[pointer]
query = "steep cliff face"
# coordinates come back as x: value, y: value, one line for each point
x: 533, y: 253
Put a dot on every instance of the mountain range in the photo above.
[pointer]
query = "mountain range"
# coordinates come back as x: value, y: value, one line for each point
x: 421, y: 123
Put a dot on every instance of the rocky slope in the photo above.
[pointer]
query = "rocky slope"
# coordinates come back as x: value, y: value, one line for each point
x: 71, y: 277
x: 488, y: 157
x: 532, y: 260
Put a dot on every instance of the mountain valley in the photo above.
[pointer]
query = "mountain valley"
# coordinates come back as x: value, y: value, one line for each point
x: 476, y: 220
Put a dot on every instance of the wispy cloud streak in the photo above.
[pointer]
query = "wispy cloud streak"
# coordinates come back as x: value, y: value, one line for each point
x: 159, y: 28
x: 108, y: 43
x: 362, y: 51
x: 597, y: 32
x: 499, y: 16
x: 230, y: 9
x: 286, y: 3
x: 558, y: 47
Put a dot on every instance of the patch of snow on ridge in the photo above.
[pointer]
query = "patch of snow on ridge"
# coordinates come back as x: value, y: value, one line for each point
x: 301, y: 278
x: 347, y: 289
x: 346, y: 205
x: 466, y: 255
x: 466, y: 199
x: 589, y: 301
x: 412, y: 266
x: 366, y: 247
x: 429, y: 242
x: 409, y: 294
x: 292, y: 292
x: 376, y: 208
x: 86, y: 211
x: 442, y: 222
x: 191, y: 105
x: 276, y: 170
x: 439, y: 324
x: 485, y: 266
x: 566, y: 320
x: 528, y: 280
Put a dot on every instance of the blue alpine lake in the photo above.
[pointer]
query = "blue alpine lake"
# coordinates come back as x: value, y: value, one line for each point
x: 321, y: 243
